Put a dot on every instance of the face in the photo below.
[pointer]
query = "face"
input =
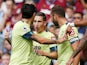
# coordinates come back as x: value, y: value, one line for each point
x: 52, y: 29
x: 5, y: 59
x: 69, y: 12
x: 38, y: 23
x: 77, y: 17
x: 9, y: 4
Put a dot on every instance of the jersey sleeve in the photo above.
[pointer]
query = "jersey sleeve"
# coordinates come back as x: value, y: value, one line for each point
x: 21, y: 28
x: 24, y: 31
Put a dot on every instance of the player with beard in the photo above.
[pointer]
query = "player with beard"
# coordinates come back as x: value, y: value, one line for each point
x: 66, y: 48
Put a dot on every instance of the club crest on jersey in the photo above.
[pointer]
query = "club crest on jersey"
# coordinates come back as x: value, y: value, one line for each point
x: 24, y: 28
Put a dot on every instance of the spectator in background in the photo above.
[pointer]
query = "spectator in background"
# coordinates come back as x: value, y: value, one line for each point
x: 7, y: 47
x: 2, y: 12
x: 10, y: 5
x: 69, y: 14
x: 8, y: 19
x: 82, y: 29
x: 78, y: 6
x: 19, y: 3
x: 85, y: 17
x: 45, y: 5
x: 52, y: 28
x: 84, y: 4
x: 11, y: 16
x: 70, y: 3
x: 5, y: 58
x: 36, y: 2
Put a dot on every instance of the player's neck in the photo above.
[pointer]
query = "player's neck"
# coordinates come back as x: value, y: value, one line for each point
x: 28, y: 21
x: 62, y: 21
x: 41, y: 30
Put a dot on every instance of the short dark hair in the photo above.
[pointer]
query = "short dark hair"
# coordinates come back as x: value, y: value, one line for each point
x: 41, y: 14
x: 79, y: 13
x: 58, y: 10
x: 70, y: 7
x: 28, y: 10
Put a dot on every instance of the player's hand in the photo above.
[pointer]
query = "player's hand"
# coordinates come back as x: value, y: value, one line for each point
x: 39, y: 52
x: 70, y: 61
x: 64, y: 38
x: 69, y: 30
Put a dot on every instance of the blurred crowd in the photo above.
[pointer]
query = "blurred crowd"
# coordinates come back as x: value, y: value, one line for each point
x: 10, y: 13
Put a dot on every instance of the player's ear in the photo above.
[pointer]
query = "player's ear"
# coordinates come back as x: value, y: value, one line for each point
x: 34, y: 14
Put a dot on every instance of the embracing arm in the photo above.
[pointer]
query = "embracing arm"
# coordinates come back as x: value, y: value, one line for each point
x: 52, y: 54
x: 47, y: 41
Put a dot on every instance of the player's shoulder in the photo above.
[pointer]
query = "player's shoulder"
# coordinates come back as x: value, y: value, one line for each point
x: 19, y: 23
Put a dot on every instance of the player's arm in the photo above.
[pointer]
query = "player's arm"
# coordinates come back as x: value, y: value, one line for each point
x: 47, y: 41
x: 79, y: 48
x: 77, y: 51
x: 52, y: 55
x: 77, y: 58
x: 31, y: 35
x: 74, y: 40
x: 81, y: 23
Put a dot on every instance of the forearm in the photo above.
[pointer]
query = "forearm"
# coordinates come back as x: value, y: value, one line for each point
x: 43, y: 40
x: 47, y: 41
x: 77, y: 58
x: 81, y: 23
x: 79, y: 48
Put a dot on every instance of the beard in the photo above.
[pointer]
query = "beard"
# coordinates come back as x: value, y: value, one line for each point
x: 56, y: 23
